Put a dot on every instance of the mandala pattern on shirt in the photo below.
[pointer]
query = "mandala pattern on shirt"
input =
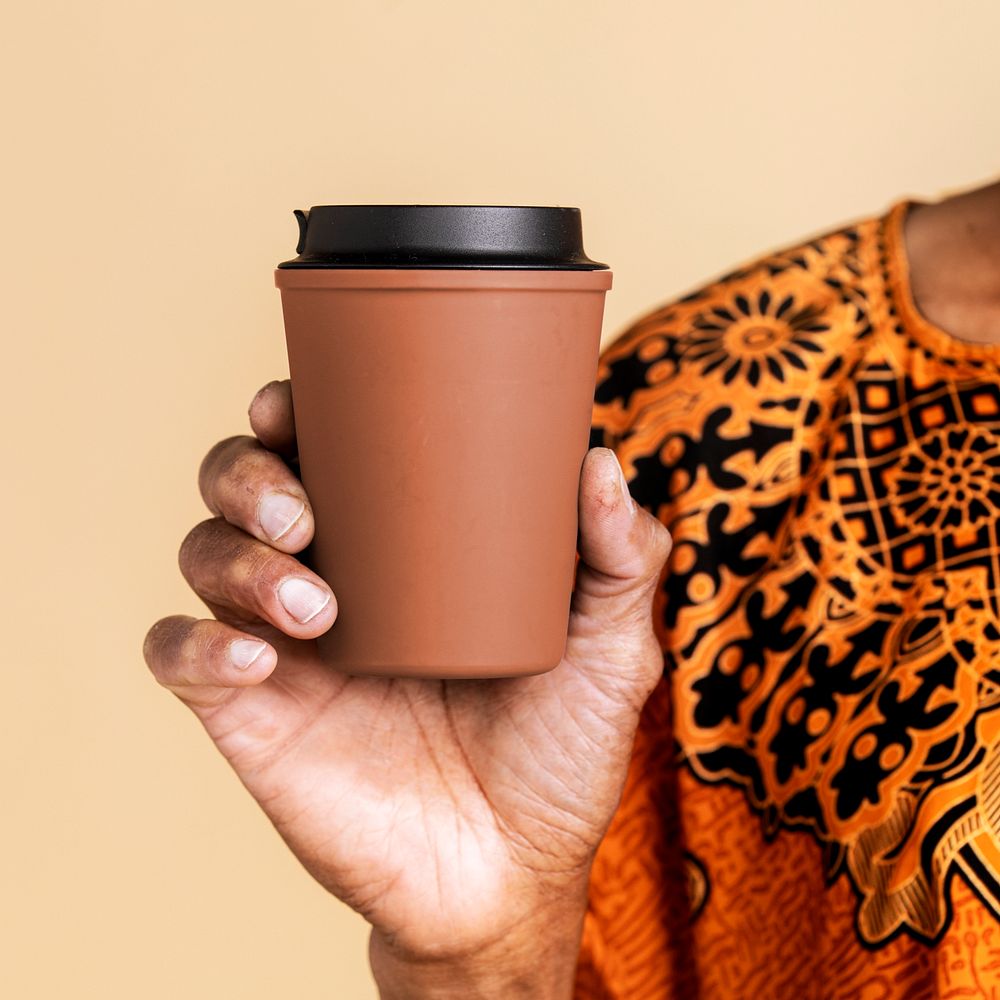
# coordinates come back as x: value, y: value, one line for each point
x: 830, y: 617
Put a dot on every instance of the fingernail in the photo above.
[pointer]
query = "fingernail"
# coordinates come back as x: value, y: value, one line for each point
x: 623, y: 486
x: 302, y: 600
x: 278, y: 513
x: 244, y: 652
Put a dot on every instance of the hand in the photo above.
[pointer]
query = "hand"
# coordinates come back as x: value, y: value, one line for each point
x: 452, y: 815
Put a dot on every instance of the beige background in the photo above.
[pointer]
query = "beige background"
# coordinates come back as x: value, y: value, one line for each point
x: 136, y: 134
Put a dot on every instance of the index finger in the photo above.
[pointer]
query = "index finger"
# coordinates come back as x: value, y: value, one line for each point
x: 272, y: 419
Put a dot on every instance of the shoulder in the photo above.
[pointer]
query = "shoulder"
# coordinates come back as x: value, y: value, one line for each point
x: 769, y: 330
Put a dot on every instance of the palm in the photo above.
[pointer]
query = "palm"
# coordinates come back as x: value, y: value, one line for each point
x: 412, y: 800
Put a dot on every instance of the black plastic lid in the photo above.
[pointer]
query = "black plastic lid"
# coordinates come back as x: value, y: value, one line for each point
x: 452, y: 236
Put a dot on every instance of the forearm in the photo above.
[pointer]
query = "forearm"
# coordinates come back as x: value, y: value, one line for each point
x: 537, y: 962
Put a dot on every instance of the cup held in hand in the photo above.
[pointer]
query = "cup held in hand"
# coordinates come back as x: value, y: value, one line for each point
x: 443, y: 362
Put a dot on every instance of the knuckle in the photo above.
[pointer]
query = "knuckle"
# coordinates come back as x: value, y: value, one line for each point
x: 652, y: 650
x: 263, y: 391
x: 162, y: 641
x: 660, y: 542
x: 222, y: 468
x: 261, y: 572
x: 241, y: 472
x: 153, y: 640
x: 197, y: 546
x: 663, y: 534
x: 193, y: 648
x: 653, y: 666
x: 250, y: 572
x: 638, y: 600
x: 637, y: 617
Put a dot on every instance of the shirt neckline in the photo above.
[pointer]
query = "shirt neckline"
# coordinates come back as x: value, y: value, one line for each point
x: 935, y: 339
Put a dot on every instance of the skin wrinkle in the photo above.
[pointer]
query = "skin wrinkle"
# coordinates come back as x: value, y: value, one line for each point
x: 369, y: 905
x: 238, y: 617
x: 533, y: 846
x: 289, y: 817
x: 521, y: 846
x: 184, y: 689
x: 514, y: 836
x: 192, y: 549
x: 433, y: 853
x: 429, y: 747
x: 227, y: 468
x: 365, y: 898
x: 295, y: 736
x: 633, y: 600
x: 208, y: 709
x: 427, y: 828
x: 453, y: 729
x: 570, y: 793
x: 614, y: 659
x: 383, y: 740
x: 613, y: 581
x: 581, y: 731
x: 197, y: 645
x: 335, y: 878
x: 276, y: 430
x: 534, y: 796
x: 200, y: 552
x: 293, y: 692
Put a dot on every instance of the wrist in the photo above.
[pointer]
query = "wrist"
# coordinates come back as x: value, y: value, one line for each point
x: 535, y: 960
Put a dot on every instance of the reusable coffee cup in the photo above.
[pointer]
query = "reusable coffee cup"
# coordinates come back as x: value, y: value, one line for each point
x: 443, y: 360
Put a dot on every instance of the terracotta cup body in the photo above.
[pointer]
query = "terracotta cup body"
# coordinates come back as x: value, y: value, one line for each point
x: 442, y: 418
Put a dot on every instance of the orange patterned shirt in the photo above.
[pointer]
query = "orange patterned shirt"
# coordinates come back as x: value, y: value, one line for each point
x: 813, y: 806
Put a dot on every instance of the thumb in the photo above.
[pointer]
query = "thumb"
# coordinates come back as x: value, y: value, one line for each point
x: 622, y: 552
x: 622, y: 547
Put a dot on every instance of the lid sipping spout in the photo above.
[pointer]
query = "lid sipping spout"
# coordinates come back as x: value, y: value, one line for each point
x: 303, y: 220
